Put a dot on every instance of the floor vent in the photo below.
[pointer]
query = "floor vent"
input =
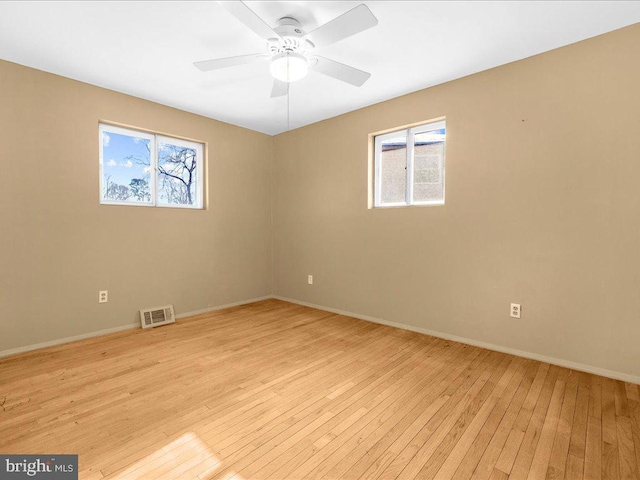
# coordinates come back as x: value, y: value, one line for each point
x: 154, y: 317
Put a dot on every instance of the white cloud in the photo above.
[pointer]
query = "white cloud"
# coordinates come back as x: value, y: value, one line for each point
x: 111, y: 163
x: 136, y: 139
x: 127, y: 164
x: 147, y: 169
x: 105, y: 139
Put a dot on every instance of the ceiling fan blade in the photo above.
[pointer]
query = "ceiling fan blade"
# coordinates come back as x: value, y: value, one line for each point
x: 247, y: 16
x: 340, y: 71
x: 354, y: 21
x: 218, y: 63
x: 279, y: 88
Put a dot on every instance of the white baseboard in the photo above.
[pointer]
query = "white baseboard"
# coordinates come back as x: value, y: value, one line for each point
x: 222, y: 307
x: 60, y: 341
x: 131, y: 326
x: 625, y: 377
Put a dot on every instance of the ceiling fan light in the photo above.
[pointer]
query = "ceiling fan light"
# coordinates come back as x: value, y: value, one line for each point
x: 289, y: 66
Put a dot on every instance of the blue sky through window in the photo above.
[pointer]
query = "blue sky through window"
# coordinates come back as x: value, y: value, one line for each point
x: 125, y: 157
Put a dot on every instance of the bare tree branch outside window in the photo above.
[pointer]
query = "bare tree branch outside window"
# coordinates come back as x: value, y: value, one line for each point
x: 176, y: 174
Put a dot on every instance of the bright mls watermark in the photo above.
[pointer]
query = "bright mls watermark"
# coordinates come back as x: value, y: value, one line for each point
x: 50, y: 467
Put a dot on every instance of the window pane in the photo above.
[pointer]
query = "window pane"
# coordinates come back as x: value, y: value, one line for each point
x: 393, y: 171
x: 125, y: 168
x: 428, y: 166
x: 177, y: 175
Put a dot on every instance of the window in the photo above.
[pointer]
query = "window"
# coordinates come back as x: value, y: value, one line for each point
x: 409, y: 166
x: 140, y: 168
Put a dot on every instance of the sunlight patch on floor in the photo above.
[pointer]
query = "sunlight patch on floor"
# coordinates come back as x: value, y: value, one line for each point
x: 233, y: 476
x: 185, y: 457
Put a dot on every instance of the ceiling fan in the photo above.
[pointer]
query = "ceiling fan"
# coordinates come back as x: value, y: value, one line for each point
x: 290, y: 47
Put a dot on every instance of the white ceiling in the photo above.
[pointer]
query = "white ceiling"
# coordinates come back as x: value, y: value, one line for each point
x: 146, y: 49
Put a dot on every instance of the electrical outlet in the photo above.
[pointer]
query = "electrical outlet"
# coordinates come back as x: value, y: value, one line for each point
x: 103, y: 296
x: 310, y: 279
x: 515, y: 310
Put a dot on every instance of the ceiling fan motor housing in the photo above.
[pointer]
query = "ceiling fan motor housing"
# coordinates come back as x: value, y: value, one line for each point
x: 290, y: 33
x: 289, y: 27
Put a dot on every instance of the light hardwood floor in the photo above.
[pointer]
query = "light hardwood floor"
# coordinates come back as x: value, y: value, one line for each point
x: 275, y: 390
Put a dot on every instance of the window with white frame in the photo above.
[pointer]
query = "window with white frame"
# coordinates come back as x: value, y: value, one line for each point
x: 141, y: 168
x: 409, y: 166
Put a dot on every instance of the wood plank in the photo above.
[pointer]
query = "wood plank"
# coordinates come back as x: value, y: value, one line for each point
x: 543, y: 451
x: 560, y: 450
x: 610, y: 461
x: 632, y: 392
x: 593, y: 452
x: 634, y: 418
x: 627, y: 457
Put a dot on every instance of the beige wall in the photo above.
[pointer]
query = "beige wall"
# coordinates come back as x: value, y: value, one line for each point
x: 542, y: 208
x: 59, y: 246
